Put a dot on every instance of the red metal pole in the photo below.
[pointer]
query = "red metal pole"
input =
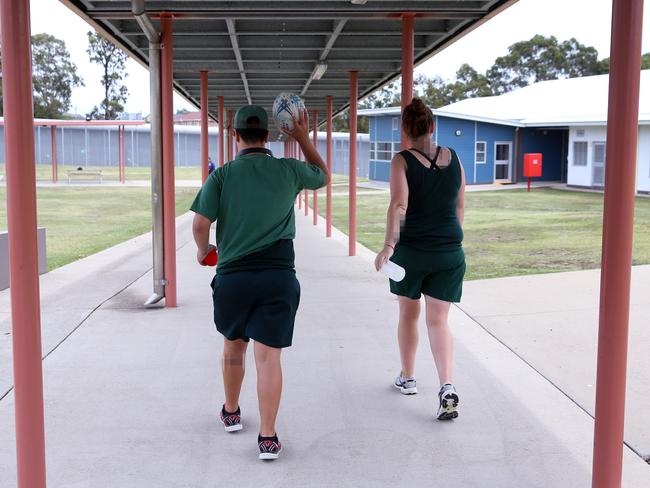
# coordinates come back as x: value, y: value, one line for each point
x: 23, y: 248
x: 55, y: 172
x: 294, y: 154
x: 328, y: 204
x: 618, y: 226
x: 204, y: 125
x: 408, y: 21
x: 122, y: 154
x: 316, y: 146
x: 169, y: 205
x: 119, y: 153
x: 352, y: 234
x: 230, y: 138
x: 301, y: 157
x: 222, y: 138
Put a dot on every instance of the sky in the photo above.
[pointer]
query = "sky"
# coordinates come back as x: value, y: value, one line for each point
x: 586, y: 20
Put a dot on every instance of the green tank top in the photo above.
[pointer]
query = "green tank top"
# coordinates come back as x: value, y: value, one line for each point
x: 431, y: 223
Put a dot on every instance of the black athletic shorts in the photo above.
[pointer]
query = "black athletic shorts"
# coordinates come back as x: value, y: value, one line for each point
x: 259, y: 305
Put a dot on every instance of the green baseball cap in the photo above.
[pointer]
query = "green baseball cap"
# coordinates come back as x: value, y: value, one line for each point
x: 251, y: 117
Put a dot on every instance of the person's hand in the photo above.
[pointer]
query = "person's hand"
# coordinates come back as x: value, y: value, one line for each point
x: 201, y: 254
x: 300, y: 131
x: 383, y: 256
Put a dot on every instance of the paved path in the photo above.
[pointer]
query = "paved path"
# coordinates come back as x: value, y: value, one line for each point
x: 132, y: 394
x: 551, y: 321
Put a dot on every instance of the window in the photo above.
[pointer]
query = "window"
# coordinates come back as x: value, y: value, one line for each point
x: 580, y: 153
x: 395, y: 123
x: 580, y: 133
x: 479, y: 152
x: 383, y: 151
x: 599, y: 152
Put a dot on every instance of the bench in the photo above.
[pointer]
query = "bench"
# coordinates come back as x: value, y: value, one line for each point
x: 85, y: 173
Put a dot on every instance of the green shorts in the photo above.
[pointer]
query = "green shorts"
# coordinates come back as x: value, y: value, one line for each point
x: 436, y: 274
x: 259, y: 305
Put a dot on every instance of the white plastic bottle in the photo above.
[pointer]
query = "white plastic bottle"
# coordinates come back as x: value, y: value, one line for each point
x: 394, y: 271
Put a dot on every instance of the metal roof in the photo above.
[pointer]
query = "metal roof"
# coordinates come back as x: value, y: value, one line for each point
x: 553, y: 103
x: 254, y: 50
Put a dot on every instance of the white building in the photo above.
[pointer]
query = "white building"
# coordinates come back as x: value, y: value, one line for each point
x: 577, y: 105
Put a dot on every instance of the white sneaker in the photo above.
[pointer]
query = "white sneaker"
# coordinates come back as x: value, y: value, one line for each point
x: 448, y: 408
x: 406, y: 386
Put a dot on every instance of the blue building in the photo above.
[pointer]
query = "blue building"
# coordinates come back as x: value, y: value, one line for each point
x: 491, y: 150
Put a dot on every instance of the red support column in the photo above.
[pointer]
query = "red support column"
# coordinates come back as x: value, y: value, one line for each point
x: 204, y: 126
x: 23, y: 248
x: 618, y: 226
x: 306, y: 192
x: 169, y: 205
x: 294, y: 154
x: 122, y: 160
x: 408, y: 23
x: 230, y: 135
x: 352, y: 233
x: 315, y: 209
x: 55, y: 170
x: 328, y: 209
x: 222, y: 138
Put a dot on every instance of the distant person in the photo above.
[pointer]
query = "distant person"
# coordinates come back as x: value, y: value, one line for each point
x: 210, y: 165
x: 255, y: 290
x: 424, y: 236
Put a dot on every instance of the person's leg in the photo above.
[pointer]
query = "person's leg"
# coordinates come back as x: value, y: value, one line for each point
x: 234, y: 362
x: 407, y: 333
x: 269, y: 386
x: 440, y: 338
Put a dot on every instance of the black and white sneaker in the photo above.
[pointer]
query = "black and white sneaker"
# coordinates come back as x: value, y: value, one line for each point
x: 406, y: 386
x: 270, y: 447
x: 448, y: 398
x: 231, y: 421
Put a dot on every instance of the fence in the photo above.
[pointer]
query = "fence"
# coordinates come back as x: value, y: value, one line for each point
x: 98, y: 147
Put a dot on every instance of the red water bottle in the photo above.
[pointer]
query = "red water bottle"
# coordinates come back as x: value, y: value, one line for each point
x: 211, y: 259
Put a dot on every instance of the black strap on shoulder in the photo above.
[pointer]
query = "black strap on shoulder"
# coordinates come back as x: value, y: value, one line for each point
x: 253, y: 150
x: 434, y: 161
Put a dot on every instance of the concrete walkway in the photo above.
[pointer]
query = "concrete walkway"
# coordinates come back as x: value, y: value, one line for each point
x: 132, y: 394
x: 551, y: 321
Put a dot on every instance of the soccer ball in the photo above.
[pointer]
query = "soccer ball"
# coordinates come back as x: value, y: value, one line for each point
x: 285, y: 107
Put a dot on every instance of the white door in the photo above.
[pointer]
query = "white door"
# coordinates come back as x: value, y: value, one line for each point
x: 598, y: 175
x: 502, y: 161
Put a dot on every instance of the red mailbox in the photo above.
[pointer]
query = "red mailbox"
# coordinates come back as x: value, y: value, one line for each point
x: 532, y: 166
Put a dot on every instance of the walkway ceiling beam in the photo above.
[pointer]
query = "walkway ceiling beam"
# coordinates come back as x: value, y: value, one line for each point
x: 235, y: 47
x: 283, y: 41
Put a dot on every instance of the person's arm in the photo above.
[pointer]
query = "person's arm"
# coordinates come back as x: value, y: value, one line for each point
x: 399, y: 197
x: 300, y: 133
x: 201, y: 231
x: 460, y: 201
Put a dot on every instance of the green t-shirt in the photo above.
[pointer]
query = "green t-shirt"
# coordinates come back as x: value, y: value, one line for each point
x: 252, y: 199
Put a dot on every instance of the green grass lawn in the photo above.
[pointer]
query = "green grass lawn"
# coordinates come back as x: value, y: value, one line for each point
x: 111, y: 173
x: 514, y: 232
x: 85, y: 220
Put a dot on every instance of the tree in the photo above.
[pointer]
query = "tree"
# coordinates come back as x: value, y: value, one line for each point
x: 469, y: 84
x: 645, y: 63
x: 113, y: 62
x: 53, y: 77
x: 433, y: 91
x: 541, y: 58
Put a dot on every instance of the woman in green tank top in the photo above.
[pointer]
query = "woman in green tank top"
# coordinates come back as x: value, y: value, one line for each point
x: 424, y: 236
